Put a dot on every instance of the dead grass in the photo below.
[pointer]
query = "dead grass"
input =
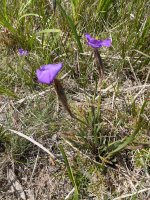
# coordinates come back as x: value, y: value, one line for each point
x: 33, y: 169
x: 26, y: 171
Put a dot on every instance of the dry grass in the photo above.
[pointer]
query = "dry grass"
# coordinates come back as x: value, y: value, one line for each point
x: 33, y: 168
x: 26, y: 170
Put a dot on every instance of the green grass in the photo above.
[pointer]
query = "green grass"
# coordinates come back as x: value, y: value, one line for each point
x: 101, y: 156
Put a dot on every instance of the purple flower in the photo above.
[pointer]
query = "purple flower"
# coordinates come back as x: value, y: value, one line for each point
x: 22, y: 52
x: 47, y: 73
x: 97, y: 43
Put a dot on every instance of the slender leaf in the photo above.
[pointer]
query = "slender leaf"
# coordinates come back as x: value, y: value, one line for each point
x: 72, y: 26
x: 50, y: 31
x: 120, y: 145
x: 7, y: 92
x: 70, y: 173
x: 28, y: 15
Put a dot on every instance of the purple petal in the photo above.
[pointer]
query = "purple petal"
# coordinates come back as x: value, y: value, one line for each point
x: 93, y: 42
x: 107, y: 42
x: 47, y: 73
x: 88, y: 37
x: 22, y: 52
x: 97, y: 43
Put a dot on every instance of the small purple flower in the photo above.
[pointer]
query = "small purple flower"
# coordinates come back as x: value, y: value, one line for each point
x: 97, y: 43
x: 22, y: 52
x: 47, y: 73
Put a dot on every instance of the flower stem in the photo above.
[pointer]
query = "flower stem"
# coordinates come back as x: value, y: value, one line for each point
x: 99, y: 63
x: 62, y: 97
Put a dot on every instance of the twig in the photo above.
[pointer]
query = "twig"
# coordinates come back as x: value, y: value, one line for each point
x: 69, y: 194
x: 35, y: 164
x: 134, y: 193
x: 34, y: 142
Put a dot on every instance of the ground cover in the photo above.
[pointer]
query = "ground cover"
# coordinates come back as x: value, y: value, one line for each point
x: 100, y: 148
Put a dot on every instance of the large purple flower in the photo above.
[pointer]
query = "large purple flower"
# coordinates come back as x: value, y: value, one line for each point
x: 22, y: 52
x: 47, y: 73
x: 97, y: 43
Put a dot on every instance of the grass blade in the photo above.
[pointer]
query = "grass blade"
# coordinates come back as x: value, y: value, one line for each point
x: 52, y: 157
x: 120, y: 145
x: 29, y: 14
x: 7, y: 92
x: 74, y: 5
x: 54, y: 5
x: 50, y: 31
x: 72, y: 26
x: 5, y: 23
x: 70, y: 173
